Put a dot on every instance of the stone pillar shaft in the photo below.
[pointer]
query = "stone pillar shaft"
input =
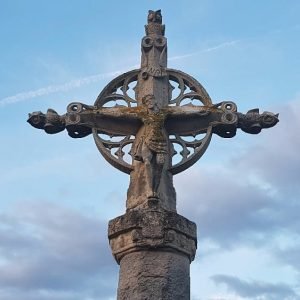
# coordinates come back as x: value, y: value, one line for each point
x: 154, y: 248
x: 152, y: 243
x: 154, y: 275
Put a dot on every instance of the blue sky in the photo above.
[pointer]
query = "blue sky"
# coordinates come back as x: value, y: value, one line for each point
x: 57, y: 193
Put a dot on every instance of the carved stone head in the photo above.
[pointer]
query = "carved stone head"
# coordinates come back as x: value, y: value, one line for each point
x: 254, y: 122
x: 155, y: 23
x: 268, y: 119
x: 155, y: 16
x: 149, y: 101
x: 37, y: 119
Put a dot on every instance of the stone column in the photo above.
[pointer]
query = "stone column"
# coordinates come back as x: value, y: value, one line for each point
x: 153, y: 245
x: 154, y: 248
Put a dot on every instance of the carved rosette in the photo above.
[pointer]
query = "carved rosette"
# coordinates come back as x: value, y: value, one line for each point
x: 148, y: 229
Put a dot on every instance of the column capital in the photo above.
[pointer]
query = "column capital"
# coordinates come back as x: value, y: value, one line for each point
x: 147, y: 229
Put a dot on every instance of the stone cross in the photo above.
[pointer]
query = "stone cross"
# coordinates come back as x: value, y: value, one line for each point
x: 139, y: 121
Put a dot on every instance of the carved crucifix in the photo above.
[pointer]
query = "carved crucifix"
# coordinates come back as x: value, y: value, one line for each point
x: 153, y: 123
x: 140, y: 113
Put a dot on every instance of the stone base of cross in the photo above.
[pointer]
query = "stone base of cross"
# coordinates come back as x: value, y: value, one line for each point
x: 154, y: 248
x: 140, y: 124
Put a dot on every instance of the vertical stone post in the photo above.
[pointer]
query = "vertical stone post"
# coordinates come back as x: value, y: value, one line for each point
x: 154, y: 248
x: 152, y: 243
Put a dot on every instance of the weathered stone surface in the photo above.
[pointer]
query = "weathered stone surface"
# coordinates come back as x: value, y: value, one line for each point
x: 138, y: 188
x: 152, y: 228
x: 154, y: 275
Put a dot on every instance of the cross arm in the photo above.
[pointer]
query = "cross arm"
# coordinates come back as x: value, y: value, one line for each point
x: 222, y: 117
x: 81, y: 119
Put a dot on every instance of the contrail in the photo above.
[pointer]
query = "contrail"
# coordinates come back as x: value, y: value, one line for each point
x: 76, y: 83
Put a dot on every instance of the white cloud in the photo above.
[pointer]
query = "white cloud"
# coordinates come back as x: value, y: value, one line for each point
x: 52, y: 252
x: 256, y: 290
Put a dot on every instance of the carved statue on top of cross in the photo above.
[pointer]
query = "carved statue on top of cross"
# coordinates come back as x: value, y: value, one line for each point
x: 141, y: 110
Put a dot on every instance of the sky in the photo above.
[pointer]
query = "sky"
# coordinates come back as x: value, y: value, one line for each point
x: 58, y: 193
